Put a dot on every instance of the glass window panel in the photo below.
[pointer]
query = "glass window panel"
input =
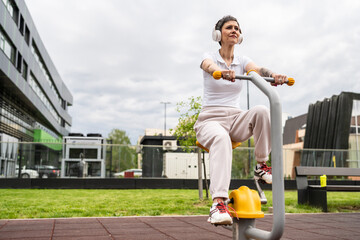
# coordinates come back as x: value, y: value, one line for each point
x: 27, y: 35
x: 2, y: 41
x: 10, y: 9
x: 7, y: 49
x: 75, y: 152
x: 91, y: 153
x: 24, y: 70
x: 354, y: 137
x: 12, y: 58
x: 355, y: 112
x: 94, y: 169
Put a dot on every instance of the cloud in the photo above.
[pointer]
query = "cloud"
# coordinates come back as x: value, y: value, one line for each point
x: 120, y: 59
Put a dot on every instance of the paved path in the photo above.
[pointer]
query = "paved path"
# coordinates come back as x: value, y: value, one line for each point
x: 298, y: 226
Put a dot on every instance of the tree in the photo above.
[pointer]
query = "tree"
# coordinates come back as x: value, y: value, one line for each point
x: 189, y: 112
x: 123, y: 154
x: 119, y: 137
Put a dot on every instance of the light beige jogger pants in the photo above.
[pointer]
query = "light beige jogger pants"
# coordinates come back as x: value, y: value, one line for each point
x: 217, y: 127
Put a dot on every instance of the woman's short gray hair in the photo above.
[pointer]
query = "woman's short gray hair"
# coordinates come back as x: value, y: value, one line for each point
x: 225, y: 19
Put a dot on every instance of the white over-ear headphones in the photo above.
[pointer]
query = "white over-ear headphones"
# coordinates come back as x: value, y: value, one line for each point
x: 216, y: 36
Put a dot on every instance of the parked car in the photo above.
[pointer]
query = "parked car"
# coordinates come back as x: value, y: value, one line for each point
x: 137, y: 172
x: 26, y: 173
x: 47, y: 171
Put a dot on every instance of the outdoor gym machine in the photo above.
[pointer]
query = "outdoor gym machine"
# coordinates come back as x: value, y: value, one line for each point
x: 246, y: 203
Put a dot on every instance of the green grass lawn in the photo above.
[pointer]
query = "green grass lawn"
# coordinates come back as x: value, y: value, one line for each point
x: 51, y: 203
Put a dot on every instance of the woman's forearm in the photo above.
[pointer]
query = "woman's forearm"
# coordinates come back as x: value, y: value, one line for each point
x: 209, y: 66
x: 264, y: 72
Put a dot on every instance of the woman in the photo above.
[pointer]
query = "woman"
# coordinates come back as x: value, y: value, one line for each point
x: 221, y: 120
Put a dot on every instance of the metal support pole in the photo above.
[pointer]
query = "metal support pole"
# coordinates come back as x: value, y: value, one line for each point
x: 239, y: 227
x: 277, y: 163
x: 205, y: 177
x: 165, y: 103
x: 249, y: 140
x: 20, y: 158
x: 355, y: 109
x: 200, y: 181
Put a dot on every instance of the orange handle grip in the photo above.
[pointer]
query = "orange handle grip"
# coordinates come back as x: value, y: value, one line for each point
x: 290, y: 81
x: 217, y: 75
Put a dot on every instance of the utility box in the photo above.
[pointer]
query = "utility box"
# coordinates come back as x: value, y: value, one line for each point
x: 183, y: 165
x: 83, y: 156
x: 153, y: 149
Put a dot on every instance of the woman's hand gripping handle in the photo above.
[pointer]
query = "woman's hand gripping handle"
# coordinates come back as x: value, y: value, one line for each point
x: 218, y: 74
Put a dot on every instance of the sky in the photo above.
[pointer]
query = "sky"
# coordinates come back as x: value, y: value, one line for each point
x: 121, y: 58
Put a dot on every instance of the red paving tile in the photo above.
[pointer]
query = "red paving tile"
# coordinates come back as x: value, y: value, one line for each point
x: 80, y: 232
x: 297, y: 227
x: 27, y: 227
x: 83, y: 238
x: 64, y: 227
x: 22, y: 234
x: 143, y: 237
x: 3, y: 222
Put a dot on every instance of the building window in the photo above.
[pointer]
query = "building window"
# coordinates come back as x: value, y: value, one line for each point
x: 43, y: 68
x: 63, y: 104
x: 2, y: 40
x: 40, y: 93
x: 12, y: 9
x: 21, y: 25
x: 9, y: 51
x: 24, y: 70
x: 9, y: 7
x: 67, y: 127
x: 27, y: 35
x: 7, y: 47
x: 15, y: 119
x: 19, y: 62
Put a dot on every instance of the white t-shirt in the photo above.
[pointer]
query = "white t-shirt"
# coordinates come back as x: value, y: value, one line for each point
x: 223, y: 92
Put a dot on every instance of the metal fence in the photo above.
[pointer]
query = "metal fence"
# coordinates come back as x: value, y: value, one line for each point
x: 57, y: 160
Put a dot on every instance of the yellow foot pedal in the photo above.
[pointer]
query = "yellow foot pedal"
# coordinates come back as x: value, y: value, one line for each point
x: 246, y: 203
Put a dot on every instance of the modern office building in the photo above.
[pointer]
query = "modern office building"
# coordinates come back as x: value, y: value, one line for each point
x: 34, y: 100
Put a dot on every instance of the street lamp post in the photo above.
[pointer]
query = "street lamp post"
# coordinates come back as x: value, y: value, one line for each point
x: 165, y: 103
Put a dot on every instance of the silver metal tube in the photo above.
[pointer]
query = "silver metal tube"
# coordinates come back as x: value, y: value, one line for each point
x: 244, y: 77
x: 277, y: 162
x: 268, y: 79
x: 200, y: 179
x: 261, y: 193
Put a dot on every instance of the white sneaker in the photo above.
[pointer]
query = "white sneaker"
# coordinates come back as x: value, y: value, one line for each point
x: 263, y: 172
x: 219, y: 215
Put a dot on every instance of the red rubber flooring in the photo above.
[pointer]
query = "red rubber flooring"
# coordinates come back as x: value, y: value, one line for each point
x: 297, y: 226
